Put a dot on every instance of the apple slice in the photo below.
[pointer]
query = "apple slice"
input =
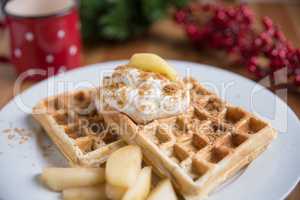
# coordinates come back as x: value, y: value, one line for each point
x: 153, y: 63
x: 164, y: 190
x: 85, y: 193
x: 59, y: 179
x: 114, y: 192
x: 124, y: 166
x: 142, y: 186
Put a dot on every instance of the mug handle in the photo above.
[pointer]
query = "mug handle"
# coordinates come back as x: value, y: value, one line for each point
x: 3, y: 29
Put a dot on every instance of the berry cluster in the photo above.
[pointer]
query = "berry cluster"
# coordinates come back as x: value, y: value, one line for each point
x: 231, y: 28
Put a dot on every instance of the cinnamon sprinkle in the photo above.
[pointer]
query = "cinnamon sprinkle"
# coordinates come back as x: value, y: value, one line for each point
x: 171, y: 89
x: 20, y: 134
x: 144, y: 89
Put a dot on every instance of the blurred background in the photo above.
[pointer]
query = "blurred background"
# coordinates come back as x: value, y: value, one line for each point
x: 233, y: 35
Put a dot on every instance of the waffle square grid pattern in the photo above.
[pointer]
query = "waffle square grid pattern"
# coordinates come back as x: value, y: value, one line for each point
x: 71, y: 120
x: 81, y: 121
x: 197, y: 141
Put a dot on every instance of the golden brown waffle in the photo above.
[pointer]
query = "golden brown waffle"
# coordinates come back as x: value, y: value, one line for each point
x: 201, y: 148
x: 74, y: 125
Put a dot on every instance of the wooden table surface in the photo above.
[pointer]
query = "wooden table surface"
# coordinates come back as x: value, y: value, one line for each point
x: 167, y: 39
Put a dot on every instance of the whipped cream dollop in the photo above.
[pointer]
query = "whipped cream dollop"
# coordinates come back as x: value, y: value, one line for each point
x: 144, y: 96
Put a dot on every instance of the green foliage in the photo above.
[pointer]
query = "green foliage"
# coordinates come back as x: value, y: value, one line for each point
x: 121, y: 19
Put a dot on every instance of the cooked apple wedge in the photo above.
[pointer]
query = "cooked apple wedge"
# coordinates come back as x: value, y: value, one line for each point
x: 164, y: 190
x: 85, y: 193
x: 154, y: 63
x: 124, y: 166
x: 59, y: 179
x: 142, y: 186
x: 114, y: 192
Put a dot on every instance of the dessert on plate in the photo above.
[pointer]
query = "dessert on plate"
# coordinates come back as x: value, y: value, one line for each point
x: 186, y: 132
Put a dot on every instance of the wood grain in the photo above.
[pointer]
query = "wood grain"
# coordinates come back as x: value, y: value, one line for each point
x: 167, y: 39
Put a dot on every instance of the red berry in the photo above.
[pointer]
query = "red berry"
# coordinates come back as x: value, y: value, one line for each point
x: 193, y: 31
x: 274, y: 52
x: 180, y: 16
x: 268, y: 23
x: 282, y: 53
x: 266, y: 39
x: 297, y: 80
x: 280, y: 36
x: 252, y: 68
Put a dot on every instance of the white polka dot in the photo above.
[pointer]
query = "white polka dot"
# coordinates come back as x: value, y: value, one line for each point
x: 61, y: 34
x: 78, y: 25
x: 29, y: 36
x: 72, y: 50
x: 62, y: 69
x: 49, y: 58
x: 17, y: 53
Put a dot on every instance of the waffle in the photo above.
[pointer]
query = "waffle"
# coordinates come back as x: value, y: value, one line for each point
x: 74, y: 125
x: 200, y: 149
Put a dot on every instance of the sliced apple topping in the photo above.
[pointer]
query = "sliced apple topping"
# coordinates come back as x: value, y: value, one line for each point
x: 153, y: 63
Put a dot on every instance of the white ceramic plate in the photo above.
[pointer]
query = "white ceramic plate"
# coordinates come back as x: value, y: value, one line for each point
x: 271, y: 176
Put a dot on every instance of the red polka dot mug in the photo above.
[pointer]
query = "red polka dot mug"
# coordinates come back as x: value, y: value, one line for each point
x: 44, y: 36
